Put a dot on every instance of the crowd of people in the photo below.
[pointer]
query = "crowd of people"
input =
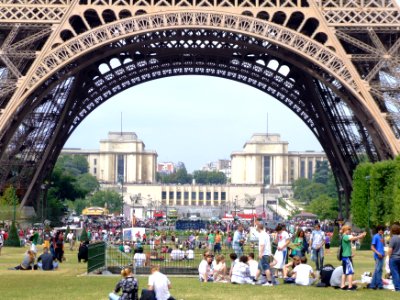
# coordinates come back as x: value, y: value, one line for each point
x: 290, y: 262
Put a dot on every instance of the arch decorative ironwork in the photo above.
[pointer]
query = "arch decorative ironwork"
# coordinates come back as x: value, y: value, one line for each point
x: 342, y: 60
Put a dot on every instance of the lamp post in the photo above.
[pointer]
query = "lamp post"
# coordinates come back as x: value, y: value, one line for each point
x: 235, y: 204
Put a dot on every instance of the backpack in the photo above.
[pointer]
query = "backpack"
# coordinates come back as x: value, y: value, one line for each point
x: 326, y: 274
x: 339, y: 251
x: 130, y: 287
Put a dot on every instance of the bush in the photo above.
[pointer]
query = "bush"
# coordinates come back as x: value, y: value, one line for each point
x: 335, y: 237
x: 13, y: 238
x: 366, y: 241
x: 84, y: 235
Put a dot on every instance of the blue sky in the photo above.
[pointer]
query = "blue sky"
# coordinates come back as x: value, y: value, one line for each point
x: 193, y: 119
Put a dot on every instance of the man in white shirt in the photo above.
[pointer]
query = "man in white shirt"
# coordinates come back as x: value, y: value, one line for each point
x: 189, y: 254
x: 139, y: 258
x: 70, y: 239
x: 177, y: 254
x: 160, y: 284
x: 302, y: 273
x: 264, y: 252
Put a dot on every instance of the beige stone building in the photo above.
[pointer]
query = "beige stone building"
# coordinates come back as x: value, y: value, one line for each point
x: 121, y: 157
x: 263, y: 170
x: 265, y: 160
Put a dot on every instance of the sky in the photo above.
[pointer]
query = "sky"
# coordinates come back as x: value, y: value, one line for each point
x: 193, y: 119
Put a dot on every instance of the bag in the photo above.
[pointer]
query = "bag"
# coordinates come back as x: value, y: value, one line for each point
x: 130, y: 287
x: 148, y: 295
x: 339, y: 253
x: 289, y: 280
x: 326, y: 274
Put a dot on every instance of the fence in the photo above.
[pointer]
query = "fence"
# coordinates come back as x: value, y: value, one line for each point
x: 96, y: 256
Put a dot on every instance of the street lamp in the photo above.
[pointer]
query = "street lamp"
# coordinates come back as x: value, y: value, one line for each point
x: 266, y: 189
x: 235, y: 204
x: 121, y: 182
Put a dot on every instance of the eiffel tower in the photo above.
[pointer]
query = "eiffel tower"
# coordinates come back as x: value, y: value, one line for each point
x: 335, y: 63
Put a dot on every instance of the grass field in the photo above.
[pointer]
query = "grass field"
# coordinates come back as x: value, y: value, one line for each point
x: 71, y: 282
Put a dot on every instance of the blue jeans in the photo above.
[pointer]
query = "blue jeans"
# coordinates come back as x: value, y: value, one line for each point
x: 319, y: 258
x: 376, y: 281
x: 394, y: 265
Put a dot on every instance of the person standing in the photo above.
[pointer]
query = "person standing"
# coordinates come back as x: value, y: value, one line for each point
x: 264, y: 252
x: 282, y: 240
x: 347, y: 262
x: 71, y: 241
x: 1, y: 240
x: 378, y: 247
x: 317, y: 242
x: 160, y: 284
x: 238, y: 241
x: 217, y: 245
x: 211, y: 240
x: 394, y: 255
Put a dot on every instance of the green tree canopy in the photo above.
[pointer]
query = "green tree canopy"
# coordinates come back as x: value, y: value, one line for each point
x: 112, y: 198
x: 87, y: 183
x: 324, y: 207
x: 207, y: 177
x: 73, y: 164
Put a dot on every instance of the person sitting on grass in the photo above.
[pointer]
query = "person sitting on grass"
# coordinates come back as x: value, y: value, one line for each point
x: 46, y: 261
x: 234, y: 259
x: 302, y: 273
x: 129, y: 286
x: 160, y: 284
x: 220, y: 269
x: 241, y: 272
x: 288, y: 268
x: 28, y: 263
x: 205, y: 267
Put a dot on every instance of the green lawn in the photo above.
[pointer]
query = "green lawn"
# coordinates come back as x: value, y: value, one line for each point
x: 71, y: 282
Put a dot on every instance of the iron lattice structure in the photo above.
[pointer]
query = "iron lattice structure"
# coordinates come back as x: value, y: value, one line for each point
x: 335, y: 63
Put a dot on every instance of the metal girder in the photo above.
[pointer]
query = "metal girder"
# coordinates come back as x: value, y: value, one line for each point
x: 238, y: 60
x: 353, y: 48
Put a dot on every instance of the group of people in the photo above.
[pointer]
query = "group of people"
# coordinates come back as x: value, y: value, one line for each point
x: 158, y: 286
x: 245, y: 269
x: 46, y: 261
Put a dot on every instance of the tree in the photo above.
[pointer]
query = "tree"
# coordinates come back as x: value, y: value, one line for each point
x: 324, y: 207
x: 87, y: 183
x: 322, y: 171
x: 335, y: 240
x: 207, y: 177
x: 72, y: 164
x: 8, y: 203
x: 299, y: 187
x: 112, y: 198
x: 13, y: 238
x: 84, y: 236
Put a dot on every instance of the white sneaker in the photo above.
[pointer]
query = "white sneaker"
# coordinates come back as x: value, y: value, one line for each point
x: 267, y: 284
